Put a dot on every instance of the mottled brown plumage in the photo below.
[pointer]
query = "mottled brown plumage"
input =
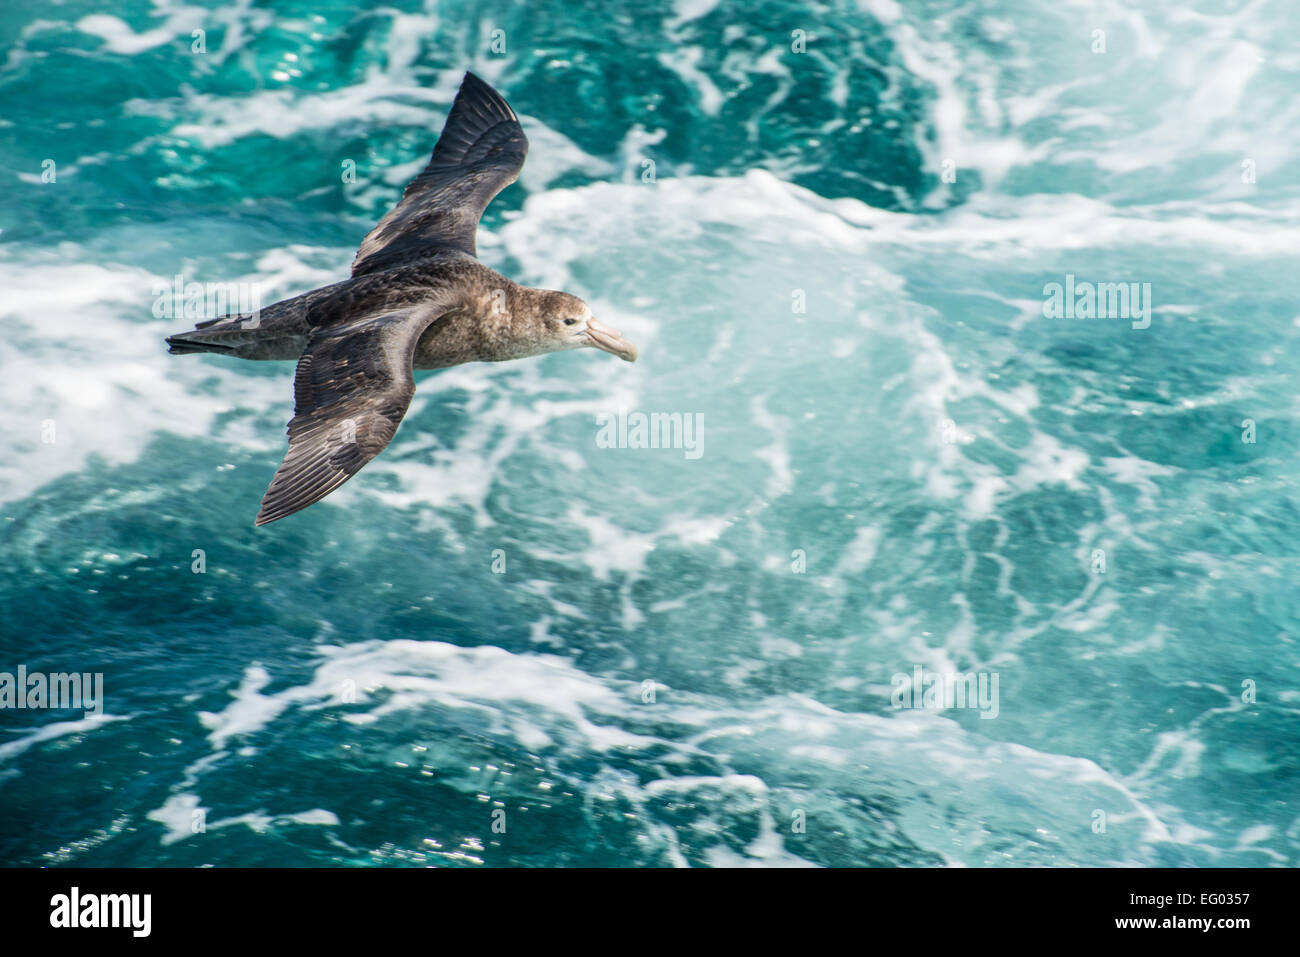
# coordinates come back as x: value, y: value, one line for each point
x: 418, y: 299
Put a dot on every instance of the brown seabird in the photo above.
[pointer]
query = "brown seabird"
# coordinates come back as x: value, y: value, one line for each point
x: 418, y: 299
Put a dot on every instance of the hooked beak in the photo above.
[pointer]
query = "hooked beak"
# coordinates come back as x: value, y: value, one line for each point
x: 611, y: 340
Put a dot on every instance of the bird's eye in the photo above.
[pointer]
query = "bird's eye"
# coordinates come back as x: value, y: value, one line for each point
x: 569, y: 322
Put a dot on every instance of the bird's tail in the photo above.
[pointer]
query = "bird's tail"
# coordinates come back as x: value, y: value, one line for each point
x: 214, y: 335
x: 180, y: 346
x: 279, y: 331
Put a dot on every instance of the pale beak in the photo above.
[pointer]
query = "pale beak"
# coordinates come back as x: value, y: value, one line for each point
x: 611, y: 340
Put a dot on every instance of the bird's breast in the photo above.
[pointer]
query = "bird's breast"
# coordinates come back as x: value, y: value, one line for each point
x: 456, y: 337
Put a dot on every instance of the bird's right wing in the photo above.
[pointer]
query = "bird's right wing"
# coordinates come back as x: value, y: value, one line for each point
x: 480, y: 152
x: 352, y: 387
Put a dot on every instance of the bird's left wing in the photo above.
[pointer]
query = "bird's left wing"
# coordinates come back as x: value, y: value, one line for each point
x: 352, y: 387
x: 480, y: 152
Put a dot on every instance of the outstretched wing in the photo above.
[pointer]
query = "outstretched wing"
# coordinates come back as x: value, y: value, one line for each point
x: 480, y: 153
x: 352, y: 387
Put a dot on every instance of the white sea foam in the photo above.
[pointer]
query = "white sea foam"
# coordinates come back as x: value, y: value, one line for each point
x: 86, y: 363
x: 547, y: 705
x: 182, y: 812
x: 53, y: 730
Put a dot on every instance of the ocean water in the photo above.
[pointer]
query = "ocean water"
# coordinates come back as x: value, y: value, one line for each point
x: 829, y: 227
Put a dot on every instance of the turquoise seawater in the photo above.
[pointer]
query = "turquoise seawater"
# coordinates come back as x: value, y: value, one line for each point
x: 829, y: 228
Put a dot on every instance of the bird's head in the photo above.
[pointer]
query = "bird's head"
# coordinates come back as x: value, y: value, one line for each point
x: 565, y: 322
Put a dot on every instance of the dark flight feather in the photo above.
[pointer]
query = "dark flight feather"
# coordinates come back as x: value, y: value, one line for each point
x: 351, y: 389
x: 480, y: 152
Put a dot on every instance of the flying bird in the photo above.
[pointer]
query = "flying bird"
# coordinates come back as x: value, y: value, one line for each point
x: 418, y: 298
